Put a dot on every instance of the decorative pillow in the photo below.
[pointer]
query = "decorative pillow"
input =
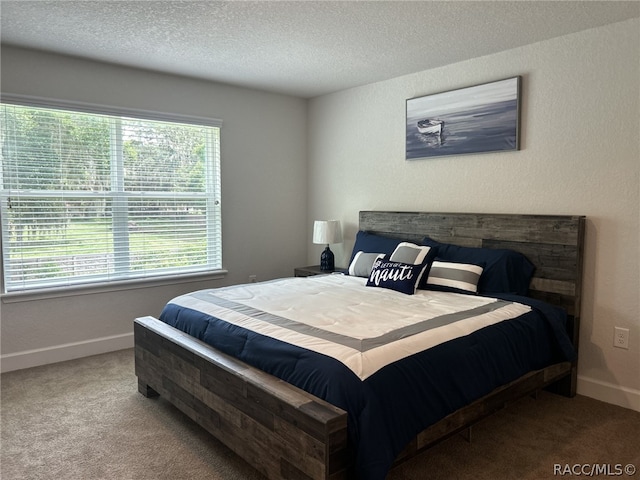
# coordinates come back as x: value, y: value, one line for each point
x: 372, y: 243
x: 505, y: 271
x: 362, y: 264
x: 398, y: 276
x: 451, y: 276
x: 410, y: 253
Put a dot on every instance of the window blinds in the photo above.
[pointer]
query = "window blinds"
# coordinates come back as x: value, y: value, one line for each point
x: 97, y: 198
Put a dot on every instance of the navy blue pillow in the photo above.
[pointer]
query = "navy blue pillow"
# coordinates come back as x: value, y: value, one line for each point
x: 505, y: 271
x: 398, y: 276
x: 371, y: 243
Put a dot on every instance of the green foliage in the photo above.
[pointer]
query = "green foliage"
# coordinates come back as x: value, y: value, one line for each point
x: 87, y: 247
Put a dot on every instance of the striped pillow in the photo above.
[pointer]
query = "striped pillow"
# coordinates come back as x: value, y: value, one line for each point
x: 452, y: 276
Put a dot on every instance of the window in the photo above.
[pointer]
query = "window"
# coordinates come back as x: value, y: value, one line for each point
x: 89, y: 197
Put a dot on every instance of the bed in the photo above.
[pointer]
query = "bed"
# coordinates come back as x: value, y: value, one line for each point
x: 289, y: 432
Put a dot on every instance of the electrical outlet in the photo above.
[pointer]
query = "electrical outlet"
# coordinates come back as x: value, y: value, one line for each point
x: 253, y: 278
x: 621, y: 337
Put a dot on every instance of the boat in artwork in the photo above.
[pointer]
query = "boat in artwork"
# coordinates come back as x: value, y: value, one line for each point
x: 430, y: 126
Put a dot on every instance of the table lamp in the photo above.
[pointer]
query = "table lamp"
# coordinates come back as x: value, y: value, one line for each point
x: 326, y: 232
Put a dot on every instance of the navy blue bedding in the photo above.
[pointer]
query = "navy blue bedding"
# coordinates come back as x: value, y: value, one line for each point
x: 392, y: 406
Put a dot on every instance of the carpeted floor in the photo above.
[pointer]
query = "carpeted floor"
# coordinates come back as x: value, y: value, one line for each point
x: 84, y: 419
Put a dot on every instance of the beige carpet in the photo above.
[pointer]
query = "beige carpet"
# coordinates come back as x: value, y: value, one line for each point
x: 84, y: 419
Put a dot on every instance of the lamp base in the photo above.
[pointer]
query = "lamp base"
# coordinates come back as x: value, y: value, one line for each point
x: 327, y: 260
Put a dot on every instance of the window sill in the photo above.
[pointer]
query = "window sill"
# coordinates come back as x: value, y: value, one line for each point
x: 96, y: 288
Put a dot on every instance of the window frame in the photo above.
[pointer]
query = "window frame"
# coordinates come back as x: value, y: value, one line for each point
x: 124, y: 283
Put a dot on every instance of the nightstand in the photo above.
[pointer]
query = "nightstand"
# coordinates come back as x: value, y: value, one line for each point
x: 315, y: 270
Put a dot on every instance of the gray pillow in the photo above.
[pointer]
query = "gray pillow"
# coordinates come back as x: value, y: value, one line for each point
x: 362, y: 264
x: 407, y: 252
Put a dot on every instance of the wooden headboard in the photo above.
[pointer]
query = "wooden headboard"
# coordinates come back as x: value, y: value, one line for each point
x: 553, y: 243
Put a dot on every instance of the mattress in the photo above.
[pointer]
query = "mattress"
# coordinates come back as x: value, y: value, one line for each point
x: 396, y: 363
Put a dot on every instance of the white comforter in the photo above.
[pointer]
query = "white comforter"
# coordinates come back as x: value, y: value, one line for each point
x: 365, y: 328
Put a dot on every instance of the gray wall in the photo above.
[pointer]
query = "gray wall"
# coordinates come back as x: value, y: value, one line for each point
x: 264, y: 197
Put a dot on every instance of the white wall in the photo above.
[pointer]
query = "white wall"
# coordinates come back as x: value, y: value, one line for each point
x: 264, y: 198
x: 579, y: 154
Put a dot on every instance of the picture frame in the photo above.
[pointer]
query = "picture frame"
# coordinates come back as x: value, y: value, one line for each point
x: 478, y: 119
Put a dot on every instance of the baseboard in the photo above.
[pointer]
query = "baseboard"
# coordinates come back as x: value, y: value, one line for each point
x: 609, y: 392
x: 61, y: 353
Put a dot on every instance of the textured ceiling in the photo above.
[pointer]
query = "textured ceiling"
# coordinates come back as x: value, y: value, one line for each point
x: 302, y: 48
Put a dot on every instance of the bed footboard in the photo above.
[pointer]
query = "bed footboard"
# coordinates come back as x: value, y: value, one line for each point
x: 284, y: 432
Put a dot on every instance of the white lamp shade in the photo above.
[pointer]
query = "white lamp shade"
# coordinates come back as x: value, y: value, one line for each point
x: 327, y: 231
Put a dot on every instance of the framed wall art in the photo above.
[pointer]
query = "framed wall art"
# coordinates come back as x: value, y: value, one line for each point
x: 482, y: 118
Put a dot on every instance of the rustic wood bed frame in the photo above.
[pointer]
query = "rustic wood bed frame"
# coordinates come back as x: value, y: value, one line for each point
x: 286, y: 433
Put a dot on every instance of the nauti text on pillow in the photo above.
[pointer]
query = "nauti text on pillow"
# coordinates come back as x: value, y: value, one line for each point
x: 391, y: 271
